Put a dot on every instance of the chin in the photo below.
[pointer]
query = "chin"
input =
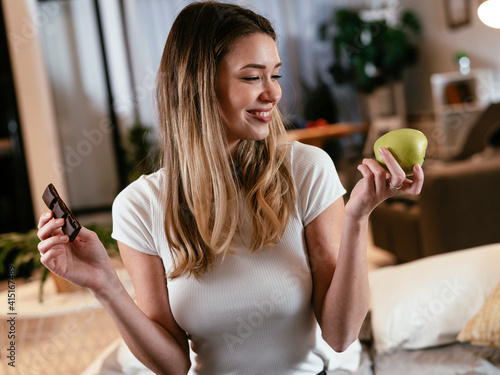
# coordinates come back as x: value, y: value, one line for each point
x: 260, y: 136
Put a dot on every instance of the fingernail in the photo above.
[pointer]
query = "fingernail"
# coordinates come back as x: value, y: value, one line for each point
x: 382, y: 150
x: 418, y: 167
x: 47, y: 214
x: 60, y: 221
x: 63, y: 238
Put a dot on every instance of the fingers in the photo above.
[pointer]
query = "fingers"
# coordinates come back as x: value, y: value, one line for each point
x: 44, y: 219
x: 372, y: 169
x: 48, y: 227
x: 50, y: 233
x: 415, y: 186
x: 51, y: 242
x: 397, y: 175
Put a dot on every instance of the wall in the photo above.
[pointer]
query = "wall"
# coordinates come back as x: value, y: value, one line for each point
x: 438, y: 44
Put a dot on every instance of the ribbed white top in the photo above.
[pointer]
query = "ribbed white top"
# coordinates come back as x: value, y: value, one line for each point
x: 252, y: 313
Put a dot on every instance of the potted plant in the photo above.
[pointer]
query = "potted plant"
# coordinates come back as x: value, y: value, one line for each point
x: 369, y: 51
x: 143, y: 155
x: 21, y: 251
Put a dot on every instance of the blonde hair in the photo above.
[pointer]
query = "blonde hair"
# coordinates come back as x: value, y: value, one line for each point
x: 204, y: 187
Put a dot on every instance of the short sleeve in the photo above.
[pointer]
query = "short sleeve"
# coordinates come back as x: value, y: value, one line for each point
x: 317, y: 181
x: 133, y: 217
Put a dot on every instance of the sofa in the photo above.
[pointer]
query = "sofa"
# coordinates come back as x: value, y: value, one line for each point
x: 459, y: 206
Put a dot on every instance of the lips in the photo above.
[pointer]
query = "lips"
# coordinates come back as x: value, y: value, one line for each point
x: 262, y: 115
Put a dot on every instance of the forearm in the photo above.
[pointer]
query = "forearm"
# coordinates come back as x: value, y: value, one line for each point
x: 348, y: 297
x: 150, y: 343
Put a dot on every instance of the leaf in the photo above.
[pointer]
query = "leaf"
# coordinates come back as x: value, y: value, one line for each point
x: 389, y: 49
x: 410, y: 21
x: 43, y: 279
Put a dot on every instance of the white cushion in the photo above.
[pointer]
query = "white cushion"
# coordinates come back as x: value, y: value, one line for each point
x: 427, y: 302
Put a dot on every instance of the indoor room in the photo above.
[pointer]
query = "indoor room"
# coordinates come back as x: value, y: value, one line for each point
x: 83, y: 122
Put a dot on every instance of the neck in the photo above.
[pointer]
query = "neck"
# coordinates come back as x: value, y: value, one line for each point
x: 232, y: 148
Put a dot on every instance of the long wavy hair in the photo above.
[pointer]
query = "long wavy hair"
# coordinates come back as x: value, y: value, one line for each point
x: 206, y: 189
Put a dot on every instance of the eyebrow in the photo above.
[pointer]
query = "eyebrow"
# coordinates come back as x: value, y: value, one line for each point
x: 259, y: 66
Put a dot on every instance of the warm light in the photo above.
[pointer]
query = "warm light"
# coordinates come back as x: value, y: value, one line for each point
x: 489, y: 13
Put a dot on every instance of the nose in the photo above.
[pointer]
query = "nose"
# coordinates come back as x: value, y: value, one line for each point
x: 271, y: 92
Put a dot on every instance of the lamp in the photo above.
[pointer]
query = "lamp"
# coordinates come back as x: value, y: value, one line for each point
x: 489, y: 13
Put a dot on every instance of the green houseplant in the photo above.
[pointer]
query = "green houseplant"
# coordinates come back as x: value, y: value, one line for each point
x: 20, y: 250
x: 143, y: 155
x: 370, y: 54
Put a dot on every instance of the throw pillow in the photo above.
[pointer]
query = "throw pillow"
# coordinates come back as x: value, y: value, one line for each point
x: 427, y: 302
x: 484, y: 328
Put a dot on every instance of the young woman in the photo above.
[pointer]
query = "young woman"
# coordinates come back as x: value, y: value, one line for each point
x: 241, y: 243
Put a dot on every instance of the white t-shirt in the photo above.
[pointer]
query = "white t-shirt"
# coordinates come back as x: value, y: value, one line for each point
x: 251, y: 313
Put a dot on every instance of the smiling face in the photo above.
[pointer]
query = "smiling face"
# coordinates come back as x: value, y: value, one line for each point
x: 247, y: 88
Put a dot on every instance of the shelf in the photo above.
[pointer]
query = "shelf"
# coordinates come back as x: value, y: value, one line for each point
x: 316, y: 136
x: 474, y: 75
x: 460, y: 108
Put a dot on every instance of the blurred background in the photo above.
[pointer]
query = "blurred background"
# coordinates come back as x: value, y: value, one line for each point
x: 78, y: 83
x: 77, y: 109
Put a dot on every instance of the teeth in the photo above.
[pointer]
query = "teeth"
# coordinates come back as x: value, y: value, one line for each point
x: 260, y: 114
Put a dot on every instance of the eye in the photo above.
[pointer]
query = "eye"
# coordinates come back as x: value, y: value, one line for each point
x: 276, y: 77
x: 250, y: 79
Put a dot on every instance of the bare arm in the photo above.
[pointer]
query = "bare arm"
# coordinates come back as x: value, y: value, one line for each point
x: 151, y: 334
x: 337, y: 252
x: 148, y: 328
x: 337, y: 242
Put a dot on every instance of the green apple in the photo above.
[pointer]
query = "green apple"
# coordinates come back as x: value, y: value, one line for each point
x: 408, y: 147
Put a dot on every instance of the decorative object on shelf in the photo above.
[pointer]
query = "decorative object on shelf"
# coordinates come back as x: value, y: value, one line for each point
x: 458, y: 101
x: 489, y: 13
x: 463, y: 62
x: 457, y: 13
x: 319, y: 123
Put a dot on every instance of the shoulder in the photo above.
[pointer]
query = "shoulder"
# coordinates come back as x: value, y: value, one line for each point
x: 316, y: 180
x: 137, y: 213
x: 140, y: 192
x: 304, y: 156
x: 140, y: 203
x: 308, y: 161
x: 299, y: 149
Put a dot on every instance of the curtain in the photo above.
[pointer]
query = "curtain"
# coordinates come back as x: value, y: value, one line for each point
x: 297, y: 22
x: 73, y: 59
x: 134, y: 41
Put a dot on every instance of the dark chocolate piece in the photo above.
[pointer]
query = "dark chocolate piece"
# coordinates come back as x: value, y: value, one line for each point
x: 54, y: 202
x: 50, y: 196
x: 59, y: 211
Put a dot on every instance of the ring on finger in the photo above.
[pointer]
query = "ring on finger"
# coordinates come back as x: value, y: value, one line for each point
x: 394, y: 187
